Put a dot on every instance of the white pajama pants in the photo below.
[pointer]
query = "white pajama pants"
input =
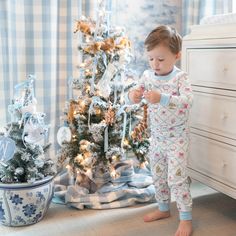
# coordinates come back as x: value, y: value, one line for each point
x: 168, y: 159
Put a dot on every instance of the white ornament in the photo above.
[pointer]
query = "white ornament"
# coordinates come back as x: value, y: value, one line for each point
x: 35, y: 135
x: 64, y: 135
x: 104, y: 83
x: 7, y: 149
x: 34, y: 129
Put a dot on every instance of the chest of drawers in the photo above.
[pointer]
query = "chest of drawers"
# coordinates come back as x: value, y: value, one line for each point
x: 209, y: 58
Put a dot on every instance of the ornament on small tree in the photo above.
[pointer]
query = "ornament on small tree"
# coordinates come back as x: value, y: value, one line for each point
x: 7, y: 149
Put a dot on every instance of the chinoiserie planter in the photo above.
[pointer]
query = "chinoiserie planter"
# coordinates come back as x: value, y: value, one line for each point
x: 25, y: 203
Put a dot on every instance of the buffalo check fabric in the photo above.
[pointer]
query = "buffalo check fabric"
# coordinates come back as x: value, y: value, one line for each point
x: 134, y: 186
x: 36, y: 37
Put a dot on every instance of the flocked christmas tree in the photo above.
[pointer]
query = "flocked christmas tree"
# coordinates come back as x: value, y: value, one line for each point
x: 99, y: 128
x: 23, y: 151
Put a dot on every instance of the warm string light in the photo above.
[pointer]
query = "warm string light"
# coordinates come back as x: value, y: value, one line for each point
x: 143, y: 164
x: 87, y: 88
x: 113, y: 173
x: 82, y: 65
x: 79, y: 158
x: 82, y: 104
x: 98, y: 111
x: 126, y: 142
x: 87, y: 72
x: 68, y: 167
x: 84, y: 144
x: 87, y: 39
x: 89, y: 173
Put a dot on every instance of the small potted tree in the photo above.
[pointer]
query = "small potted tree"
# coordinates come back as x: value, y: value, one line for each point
x: 26, y: 171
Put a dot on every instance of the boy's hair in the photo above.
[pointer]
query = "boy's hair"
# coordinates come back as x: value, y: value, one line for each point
x: 164, y: 35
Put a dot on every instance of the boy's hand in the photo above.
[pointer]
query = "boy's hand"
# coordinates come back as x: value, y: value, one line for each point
x: 135, y: 95
x: 152, y: 96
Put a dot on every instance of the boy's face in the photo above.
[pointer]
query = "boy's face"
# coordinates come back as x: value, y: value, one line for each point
x: 162, y: 60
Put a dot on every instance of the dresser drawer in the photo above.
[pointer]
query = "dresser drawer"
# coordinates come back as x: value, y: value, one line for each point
x: 214, y: 113
x: 212, y: 67
x: 213, y: 159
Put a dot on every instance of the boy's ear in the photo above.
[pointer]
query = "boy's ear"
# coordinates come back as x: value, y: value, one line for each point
x: 178, y: 55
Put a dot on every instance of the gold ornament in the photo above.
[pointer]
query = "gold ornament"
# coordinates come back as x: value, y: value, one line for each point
x: 83, y: 27
x: 93, y: 48
x: 123, y: 43
x: 108, y: 45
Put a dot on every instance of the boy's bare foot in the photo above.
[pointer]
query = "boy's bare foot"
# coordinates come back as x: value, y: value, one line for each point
x: 185, y: 228
x: 156, y: 215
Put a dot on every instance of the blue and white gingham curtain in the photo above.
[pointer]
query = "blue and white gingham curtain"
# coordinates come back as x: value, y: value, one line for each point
x: 36, y: 37
x: 194, y: 10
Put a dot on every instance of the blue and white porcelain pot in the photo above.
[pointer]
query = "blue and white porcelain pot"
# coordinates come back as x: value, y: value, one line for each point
x: 25, y: 203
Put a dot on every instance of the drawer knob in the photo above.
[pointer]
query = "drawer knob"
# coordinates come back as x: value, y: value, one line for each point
x: 224, y: 116
x: 225, y: 70
x: 224, y: 164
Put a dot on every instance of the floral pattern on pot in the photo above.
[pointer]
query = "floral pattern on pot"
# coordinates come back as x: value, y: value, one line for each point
x: 25, y: 203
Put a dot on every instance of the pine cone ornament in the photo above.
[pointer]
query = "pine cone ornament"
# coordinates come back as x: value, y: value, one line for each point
x: 141, y: 127
x: 110, y: 116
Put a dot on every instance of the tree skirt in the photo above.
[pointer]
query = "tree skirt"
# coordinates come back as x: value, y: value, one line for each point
x: 134, y: 186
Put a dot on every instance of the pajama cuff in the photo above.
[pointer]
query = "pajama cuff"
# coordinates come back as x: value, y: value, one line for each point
x: 164, y: 206
x: 185, y: 215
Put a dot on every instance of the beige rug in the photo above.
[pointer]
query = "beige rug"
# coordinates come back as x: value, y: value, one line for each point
x: 214, y: 215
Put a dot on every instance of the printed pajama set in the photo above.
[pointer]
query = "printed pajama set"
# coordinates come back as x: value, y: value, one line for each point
x: 168, y: 122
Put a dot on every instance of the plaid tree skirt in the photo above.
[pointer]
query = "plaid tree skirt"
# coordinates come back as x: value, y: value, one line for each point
x: 134, y: 185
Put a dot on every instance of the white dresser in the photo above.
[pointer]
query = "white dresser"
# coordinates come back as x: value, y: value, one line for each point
x: 209, y: 58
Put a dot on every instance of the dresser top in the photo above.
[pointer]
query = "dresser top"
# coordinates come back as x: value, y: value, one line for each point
x: 212, y: 31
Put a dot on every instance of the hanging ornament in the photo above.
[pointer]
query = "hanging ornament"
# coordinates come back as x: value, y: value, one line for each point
x: 7, y: 149
x: 141, y: 127
x: 64, y: 135
x: 34, y: 128
x: 104, y: 85
x: 110, y: 116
